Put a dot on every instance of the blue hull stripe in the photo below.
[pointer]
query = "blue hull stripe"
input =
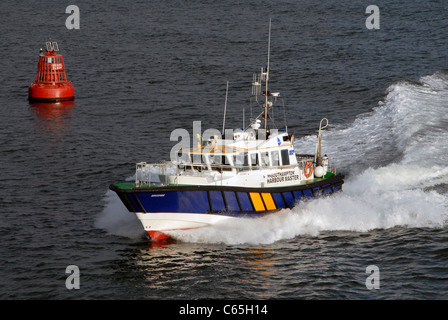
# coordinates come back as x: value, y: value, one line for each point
x: 231, y: 201
x: 219, y: 202
x: 279, y: 201
x: 308, y: 193
x: 289, y: 199
x: 245, y: 203
x: 178, y: 201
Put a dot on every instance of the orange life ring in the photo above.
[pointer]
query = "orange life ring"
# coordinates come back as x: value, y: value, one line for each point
x: 308, y: 171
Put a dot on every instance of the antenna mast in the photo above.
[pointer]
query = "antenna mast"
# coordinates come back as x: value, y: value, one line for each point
x: 225, y: 109
x: 267, y: 79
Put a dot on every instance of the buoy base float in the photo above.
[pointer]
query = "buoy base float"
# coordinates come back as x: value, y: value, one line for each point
x: 51, y: 93
x: 51, y: 83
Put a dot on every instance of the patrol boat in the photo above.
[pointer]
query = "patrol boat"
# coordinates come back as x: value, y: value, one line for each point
x: 250, y: 173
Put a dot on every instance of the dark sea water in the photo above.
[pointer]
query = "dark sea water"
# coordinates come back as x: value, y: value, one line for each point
x: 144, y: 68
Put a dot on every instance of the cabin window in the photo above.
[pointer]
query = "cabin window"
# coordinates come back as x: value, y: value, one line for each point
x: 254, y: 159
x: 220, y: 159
x: 217, y: 159
x: 223, y: 162
x: 237, y: 161
x: 241, y: 161
x: 183, y: 157
x: 220, y: 163
x: 275, y: 158
x: 265, y: 159
x: 285, y: 157
x: 226, y: 161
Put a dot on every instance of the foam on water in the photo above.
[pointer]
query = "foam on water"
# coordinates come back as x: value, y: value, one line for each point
x: 116, y: 220
x: 394, y: 158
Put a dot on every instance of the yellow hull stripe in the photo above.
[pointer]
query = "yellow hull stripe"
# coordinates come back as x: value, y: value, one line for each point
x: 256, y: 200
x: 268, y: 201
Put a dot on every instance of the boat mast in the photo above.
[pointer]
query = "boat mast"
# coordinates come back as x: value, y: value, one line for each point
x: 318, y: 152
x: 267, y: 79
x: 225, y: 110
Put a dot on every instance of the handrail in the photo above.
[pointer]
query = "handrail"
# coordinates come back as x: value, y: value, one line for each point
x: 158, y: 173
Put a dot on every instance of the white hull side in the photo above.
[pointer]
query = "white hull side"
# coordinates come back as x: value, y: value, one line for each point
x: 178, y: 221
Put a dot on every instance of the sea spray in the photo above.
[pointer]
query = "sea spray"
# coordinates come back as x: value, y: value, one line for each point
x: 116, y: 220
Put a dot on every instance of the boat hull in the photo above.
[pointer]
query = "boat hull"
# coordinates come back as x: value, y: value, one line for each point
x: 167, y: 208
x: 157, y: 225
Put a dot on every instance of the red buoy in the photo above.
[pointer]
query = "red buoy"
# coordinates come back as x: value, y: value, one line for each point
x: 51, y: 83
